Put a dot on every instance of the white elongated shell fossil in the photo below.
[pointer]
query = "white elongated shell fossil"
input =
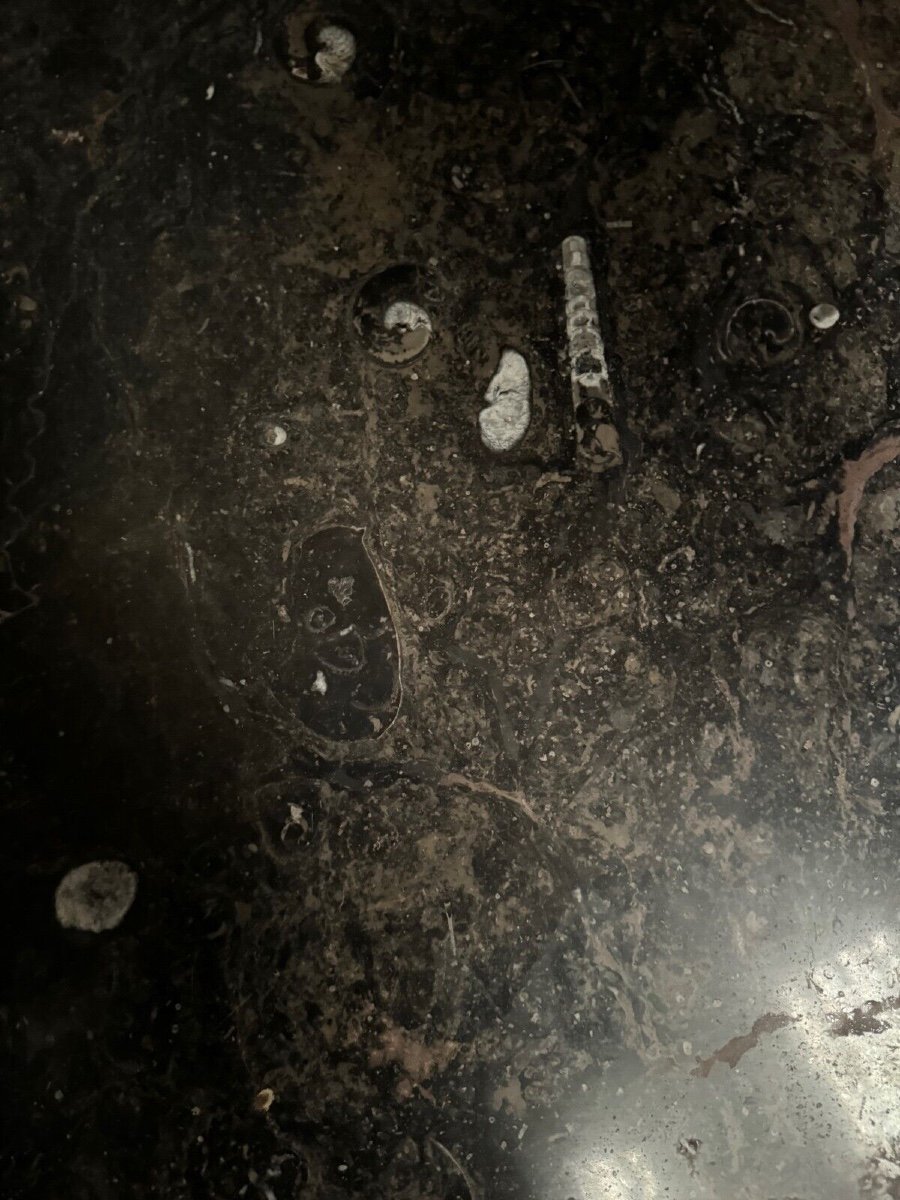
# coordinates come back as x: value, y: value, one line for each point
x: 337, y: 50
x: 587, y: 355
x: 505, y: 421
x: 96, y: 896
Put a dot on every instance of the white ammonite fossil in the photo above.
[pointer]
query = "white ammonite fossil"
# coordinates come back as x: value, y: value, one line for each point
x: 404, y: 316
x: 336, y: 53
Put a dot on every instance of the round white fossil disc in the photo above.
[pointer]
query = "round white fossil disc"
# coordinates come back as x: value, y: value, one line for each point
x: 96, y: 896
x: 824, y: 316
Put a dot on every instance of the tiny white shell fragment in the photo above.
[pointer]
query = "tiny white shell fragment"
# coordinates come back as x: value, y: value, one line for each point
x: 272, y: 435
x: 505, y: 421
x: 402, y: 315
x: 320, y: 684
x: 96, y: 896
x: 824, y: 316
x: 337, y: 50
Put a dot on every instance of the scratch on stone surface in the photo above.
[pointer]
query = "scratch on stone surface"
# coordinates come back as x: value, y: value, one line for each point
x: 728, y: 103
x: 735, y: 1049
x: 450, y: 932
x: 767, y: 12
x: 855, y: 475
x: 474, y: 1190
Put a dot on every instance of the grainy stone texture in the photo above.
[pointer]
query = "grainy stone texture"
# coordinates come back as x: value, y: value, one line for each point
x: 578, y: 880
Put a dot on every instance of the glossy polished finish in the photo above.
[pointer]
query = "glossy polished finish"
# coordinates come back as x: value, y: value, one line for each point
x: 499, y: 823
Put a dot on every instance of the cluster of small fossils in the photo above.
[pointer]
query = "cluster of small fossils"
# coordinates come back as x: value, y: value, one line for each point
x: 391, y: 315
x: 399, y: 329
x: 321, y: 50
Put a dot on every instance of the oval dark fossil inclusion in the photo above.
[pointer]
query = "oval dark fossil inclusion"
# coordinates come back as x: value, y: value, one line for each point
x: 342, y: 674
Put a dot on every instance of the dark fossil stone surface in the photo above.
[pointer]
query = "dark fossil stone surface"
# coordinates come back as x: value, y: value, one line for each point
x: 498, y: 830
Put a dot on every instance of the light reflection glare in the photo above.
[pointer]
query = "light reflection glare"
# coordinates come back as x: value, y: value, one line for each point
x: 802, y: 1095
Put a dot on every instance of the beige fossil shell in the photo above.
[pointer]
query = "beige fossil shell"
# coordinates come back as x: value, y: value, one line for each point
x: 505, y: 421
